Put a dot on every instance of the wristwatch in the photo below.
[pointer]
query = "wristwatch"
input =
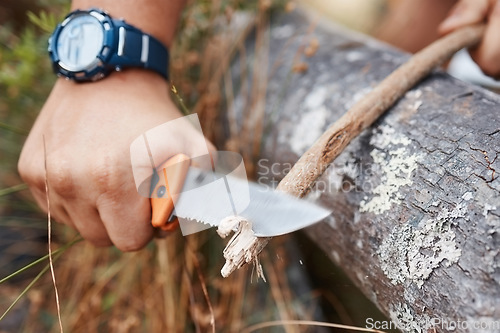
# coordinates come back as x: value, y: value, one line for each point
x: 89, y: 44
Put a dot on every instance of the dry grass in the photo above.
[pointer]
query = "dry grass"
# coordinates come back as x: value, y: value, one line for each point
x: 171, y: 286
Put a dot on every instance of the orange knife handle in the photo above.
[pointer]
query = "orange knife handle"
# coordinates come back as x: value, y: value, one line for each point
x: 163, y: 205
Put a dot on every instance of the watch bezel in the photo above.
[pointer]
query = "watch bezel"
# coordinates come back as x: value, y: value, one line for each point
x: 97, y: 69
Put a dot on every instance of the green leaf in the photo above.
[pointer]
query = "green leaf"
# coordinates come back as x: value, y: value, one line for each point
x: 46, y: 22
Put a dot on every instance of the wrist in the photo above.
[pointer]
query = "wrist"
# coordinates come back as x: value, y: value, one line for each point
x: 155, y: 17
x: 136, y: 94
x: 130, y: 80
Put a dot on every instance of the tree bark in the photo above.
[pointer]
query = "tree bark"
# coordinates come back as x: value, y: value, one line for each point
x: 415, y: 198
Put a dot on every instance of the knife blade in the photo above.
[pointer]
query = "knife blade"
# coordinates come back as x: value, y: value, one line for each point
x: 208, y: 196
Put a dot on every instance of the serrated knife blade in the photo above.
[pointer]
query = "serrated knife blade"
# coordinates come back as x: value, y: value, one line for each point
x: 208, y: 197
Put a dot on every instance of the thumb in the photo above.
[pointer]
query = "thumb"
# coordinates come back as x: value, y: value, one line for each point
x: 152, y: 148
x: 465, y: 12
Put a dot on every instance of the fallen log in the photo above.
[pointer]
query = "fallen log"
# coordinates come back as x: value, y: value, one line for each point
x: 416, y: 197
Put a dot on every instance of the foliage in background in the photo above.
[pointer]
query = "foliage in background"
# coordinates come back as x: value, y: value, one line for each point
x: 25, y: 81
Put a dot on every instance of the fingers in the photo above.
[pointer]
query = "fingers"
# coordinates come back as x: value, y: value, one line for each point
x: 128, y: 225
x: 102, y: 214
x: 57, y: 212
x: 85, y: 218
x: 465, y: 12
x: 35, y: 178
x: 77, y: 214
x: 124, y: 214
x: 487, y: 54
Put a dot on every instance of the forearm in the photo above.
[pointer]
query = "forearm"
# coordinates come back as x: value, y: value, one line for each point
x: 158, y: 18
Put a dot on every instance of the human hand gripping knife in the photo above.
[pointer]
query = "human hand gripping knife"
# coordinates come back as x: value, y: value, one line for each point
x: 203, y: 198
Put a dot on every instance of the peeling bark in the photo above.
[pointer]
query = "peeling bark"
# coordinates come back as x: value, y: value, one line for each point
x: 416, y: 197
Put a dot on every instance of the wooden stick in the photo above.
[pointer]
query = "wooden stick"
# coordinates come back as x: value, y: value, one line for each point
x: 244, y: 246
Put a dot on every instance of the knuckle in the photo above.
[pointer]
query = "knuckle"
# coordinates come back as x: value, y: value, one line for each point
x: 105, y: 174
x: 60, y: 177
x: 30, y: 173
x: 131, y: 245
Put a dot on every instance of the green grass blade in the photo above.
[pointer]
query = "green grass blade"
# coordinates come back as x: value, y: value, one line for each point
x: 185, y: 111
x: 39, y: 260
x: 57, y: 253
x: 28, y: 287
x: 14, y: 129
x: 12, y: 221
x: 19, y: 271
x: 13, y: 189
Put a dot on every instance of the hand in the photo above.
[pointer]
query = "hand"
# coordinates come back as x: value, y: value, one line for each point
x: 88, y: 129
x: 465, y: 12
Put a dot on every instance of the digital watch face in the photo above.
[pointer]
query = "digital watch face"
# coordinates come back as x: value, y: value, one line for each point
x: 80, y: 42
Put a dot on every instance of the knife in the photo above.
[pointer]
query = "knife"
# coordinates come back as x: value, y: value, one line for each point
x: 200, y: 198
x: 161, y: 197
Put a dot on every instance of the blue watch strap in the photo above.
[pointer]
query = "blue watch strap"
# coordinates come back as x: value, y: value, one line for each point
x: 137, y: 49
